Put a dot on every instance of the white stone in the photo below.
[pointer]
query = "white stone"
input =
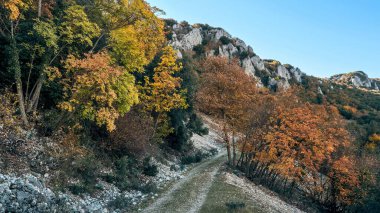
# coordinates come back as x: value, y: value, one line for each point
x: 283, y: 72
x: 258, y: 63
x: 248, y: 66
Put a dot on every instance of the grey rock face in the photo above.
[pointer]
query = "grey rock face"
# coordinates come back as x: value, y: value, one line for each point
x: 185, y: 38
x: 258, y: 63
x: 248, y: 66
x: 188, y: 41
x: 357, y: 79
x: 228, y: 50
x: 283, y: 72
x: 297, y: 74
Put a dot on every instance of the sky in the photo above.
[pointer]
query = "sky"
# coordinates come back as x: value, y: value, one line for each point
x: 321, y: 37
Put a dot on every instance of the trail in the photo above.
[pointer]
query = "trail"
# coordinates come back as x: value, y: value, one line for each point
x: 189, y: 194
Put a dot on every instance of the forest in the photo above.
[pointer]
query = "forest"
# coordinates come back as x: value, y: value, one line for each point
x: 99, y: 78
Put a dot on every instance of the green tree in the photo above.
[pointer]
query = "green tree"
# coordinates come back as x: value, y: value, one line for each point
x: 98, y: 90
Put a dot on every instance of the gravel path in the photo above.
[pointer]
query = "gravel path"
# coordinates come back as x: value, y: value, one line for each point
x: 189, y: 194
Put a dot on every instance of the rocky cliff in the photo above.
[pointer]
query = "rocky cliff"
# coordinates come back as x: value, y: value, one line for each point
x: 200, y: 39
x: 210, y: 41
x: 357, y: 79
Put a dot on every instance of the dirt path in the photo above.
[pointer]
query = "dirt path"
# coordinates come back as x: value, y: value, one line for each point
x: 189, y: 194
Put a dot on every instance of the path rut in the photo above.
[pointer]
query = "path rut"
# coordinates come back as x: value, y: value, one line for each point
x: 189, y: 194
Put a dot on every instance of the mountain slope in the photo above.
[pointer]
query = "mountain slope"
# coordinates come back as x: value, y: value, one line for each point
x: 209, y: 41
x: 204, y: 40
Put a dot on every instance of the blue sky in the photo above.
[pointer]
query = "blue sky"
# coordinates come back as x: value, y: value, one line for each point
x: 321, y: 37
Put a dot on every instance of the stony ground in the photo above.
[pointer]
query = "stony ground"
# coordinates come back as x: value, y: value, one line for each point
x: 204, y: 187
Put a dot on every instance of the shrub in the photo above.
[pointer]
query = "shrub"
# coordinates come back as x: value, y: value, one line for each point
x: 86, y: 169
x: 196, y: 125
x: 199, y: 49
x: 235, y: 206
x: 133, y: 135
x: 214, y: 151
x: 8, y: 106
x: 148, y: 188
x: 243, y: 55
x: 78, y: 189
x: 225, y: 40
x: 170, y: 22
x: 205, y: 27
x: 149, y: 168
x: 120, y: 202
x: 195, y: 158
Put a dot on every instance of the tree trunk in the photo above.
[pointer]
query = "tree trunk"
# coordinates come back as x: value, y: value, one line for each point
x: 33, y: 102
x: 228, y: 145
x: 233, y: 149
x: 14, y: 66
x: 39, y: 8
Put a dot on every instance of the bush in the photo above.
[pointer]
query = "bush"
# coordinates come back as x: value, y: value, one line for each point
x: 128, y: 171
x: 120, y: 202
x: 149, y: 168
x: 214, y: 151
x: 196, y: 158
x: 199, y: 50
x: 196, y: 125
x: 235, y: 206
x: 243, y: 55
x: 84, y: 169
x: 225, y: 40
x: 134, y: 132
x: 170, y: 22
x: 8, y: 106
x: 78, y: 189
x: 345, y: 113
x: 148, y: 188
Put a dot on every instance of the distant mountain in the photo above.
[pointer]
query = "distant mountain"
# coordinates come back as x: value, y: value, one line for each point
x: 357, y: 79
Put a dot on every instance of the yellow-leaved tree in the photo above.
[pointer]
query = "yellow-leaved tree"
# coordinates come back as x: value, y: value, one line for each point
x: 134, y: 33
x: 97, y: 90
x: 163, y: 93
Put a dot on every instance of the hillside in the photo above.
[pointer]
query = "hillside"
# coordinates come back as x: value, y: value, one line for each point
x: 107, y: 107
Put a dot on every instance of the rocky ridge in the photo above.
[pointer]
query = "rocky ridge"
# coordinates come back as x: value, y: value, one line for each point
x: 357, y: 79
x: 210, y: 41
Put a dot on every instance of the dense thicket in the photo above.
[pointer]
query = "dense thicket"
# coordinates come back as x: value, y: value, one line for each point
x: 99, y: 76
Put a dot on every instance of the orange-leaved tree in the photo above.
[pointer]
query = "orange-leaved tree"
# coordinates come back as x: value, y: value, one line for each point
x: 225, y: 92
x: 304, y: 145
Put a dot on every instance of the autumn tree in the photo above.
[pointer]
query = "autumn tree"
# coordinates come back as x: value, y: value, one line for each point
x: 98, y: 90
x: 138, y: 20
x: 225, y: 92
x: 305, y: 145
x: 11, y: 15
x: 163, y: 92
x: 373, y: 141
